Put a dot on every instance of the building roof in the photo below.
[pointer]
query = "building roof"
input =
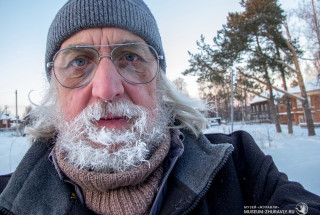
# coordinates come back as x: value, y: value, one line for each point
x: 6, y: 114
x: 311, y: 85
x: 259, y: 99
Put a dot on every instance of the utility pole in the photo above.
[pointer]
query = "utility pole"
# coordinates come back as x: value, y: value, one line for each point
x: 16, y: 112
x: 231, y: 100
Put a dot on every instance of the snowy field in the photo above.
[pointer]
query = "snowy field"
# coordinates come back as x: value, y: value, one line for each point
x: 297, y: 155
x: 12, y: 150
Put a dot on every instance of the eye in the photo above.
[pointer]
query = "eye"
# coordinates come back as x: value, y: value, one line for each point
x: 78, y: 62
x: 130, y: 57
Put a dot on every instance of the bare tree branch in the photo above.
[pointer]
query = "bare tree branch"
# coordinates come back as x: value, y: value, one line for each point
x: 274, y: 87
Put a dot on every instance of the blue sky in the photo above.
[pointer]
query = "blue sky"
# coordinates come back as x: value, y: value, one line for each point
x: 24, y: 29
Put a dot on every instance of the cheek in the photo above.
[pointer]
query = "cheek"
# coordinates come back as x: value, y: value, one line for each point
x: 144, y: 95
x: 72, y: 102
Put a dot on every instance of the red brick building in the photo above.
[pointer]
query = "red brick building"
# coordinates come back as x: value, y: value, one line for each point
x: 260, y: 105
x: 313, y: 92
x: 6, y: 119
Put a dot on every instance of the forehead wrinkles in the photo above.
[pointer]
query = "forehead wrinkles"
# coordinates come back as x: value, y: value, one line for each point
x: 102, y: 36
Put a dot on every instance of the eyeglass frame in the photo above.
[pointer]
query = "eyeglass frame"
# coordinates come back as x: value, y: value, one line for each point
x: 157, y: 57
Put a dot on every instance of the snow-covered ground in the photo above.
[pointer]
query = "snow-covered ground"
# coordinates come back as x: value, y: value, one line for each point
x: 12, y: 149
x: 297, y: 155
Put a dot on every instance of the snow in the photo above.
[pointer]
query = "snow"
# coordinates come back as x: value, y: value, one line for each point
x: 311, y: 85
x: 12, y: 149
x: 297, y: 155
x: 258, y: 99
x: 264, y: 95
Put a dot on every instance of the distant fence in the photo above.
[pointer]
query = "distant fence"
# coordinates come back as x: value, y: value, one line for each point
x: 13, y: 130
x: 258, y: 121
x: 304, y: 125
x: 7, y: 129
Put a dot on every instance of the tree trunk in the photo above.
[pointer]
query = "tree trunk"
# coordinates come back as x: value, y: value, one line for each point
x: 288, y: 100
x: 316, y: 28
x: 289, y: 114
x: 272, y: 105
x: 245, y: 106
x: 305, y: 103
x: 315, y: 22
x: 306, y: 108
x: 289, y: 106
x: 273, y: 111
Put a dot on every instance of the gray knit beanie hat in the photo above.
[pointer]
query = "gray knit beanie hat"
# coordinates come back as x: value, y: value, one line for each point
x: 76, y: 15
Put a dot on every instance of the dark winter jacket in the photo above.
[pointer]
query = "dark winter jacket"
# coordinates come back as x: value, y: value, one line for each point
x: 216, y: 174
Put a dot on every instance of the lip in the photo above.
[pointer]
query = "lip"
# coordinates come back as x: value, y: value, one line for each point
x: 112, y: 122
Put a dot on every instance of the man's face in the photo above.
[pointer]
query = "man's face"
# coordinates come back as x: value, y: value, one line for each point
x: 109, y: 125
x: 107, y: 84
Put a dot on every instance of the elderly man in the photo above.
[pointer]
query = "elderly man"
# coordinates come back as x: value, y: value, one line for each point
x: 113, y: 137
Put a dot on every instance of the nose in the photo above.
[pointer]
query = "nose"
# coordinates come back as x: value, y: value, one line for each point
x: 107, y: 83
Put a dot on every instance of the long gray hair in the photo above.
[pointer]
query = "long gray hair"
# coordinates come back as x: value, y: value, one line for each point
x: 183, y: 111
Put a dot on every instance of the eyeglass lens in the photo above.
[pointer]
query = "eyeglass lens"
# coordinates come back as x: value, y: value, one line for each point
x: 75, y: 66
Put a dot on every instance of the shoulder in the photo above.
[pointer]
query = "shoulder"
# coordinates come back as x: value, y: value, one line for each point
x: 235, y: 138
x: 243, y: 143
x: 4, y: 179
x: 36, y: 179
x: 37, y: 150
x: 247, y: 158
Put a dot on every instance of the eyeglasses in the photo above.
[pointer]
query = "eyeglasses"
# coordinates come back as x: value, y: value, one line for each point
x: 75, y: 66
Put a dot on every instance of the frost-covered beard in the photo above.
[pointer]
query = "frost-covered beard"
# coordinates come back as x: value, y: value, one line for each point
x: 123, y: 149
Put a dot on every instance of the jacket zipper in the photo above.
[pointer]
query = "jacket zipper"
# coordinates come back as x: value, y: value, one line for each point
x: 4, y: 211
x: 164, y: 181
x: 205, y: 190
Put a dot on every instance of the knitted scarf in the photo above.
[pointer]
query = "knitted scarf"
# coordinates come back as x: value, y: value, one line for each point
x: 130, y: 192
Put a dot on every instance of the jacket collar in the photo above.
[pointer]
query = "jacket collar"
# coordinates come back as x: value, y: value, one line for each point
x: 194, y: 172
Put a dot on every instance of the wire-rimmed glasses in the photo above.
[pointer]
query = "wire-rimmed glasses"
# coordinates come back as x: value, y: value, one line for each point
x: 75, y: 66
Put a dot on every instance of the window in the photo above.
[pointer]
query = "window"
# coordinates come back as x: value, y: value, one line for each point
x: 309, y: 99
x: 281, y: 107
x: 301, y: 119
x: 299, y: 103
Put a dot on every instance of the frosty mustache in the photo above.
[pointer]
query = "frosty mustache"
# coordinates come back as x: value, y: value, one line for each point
x: 106, y: 109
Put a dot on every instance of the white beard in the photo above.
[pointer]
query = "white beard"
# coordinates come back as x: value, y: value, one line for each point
x: 123, y: 149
